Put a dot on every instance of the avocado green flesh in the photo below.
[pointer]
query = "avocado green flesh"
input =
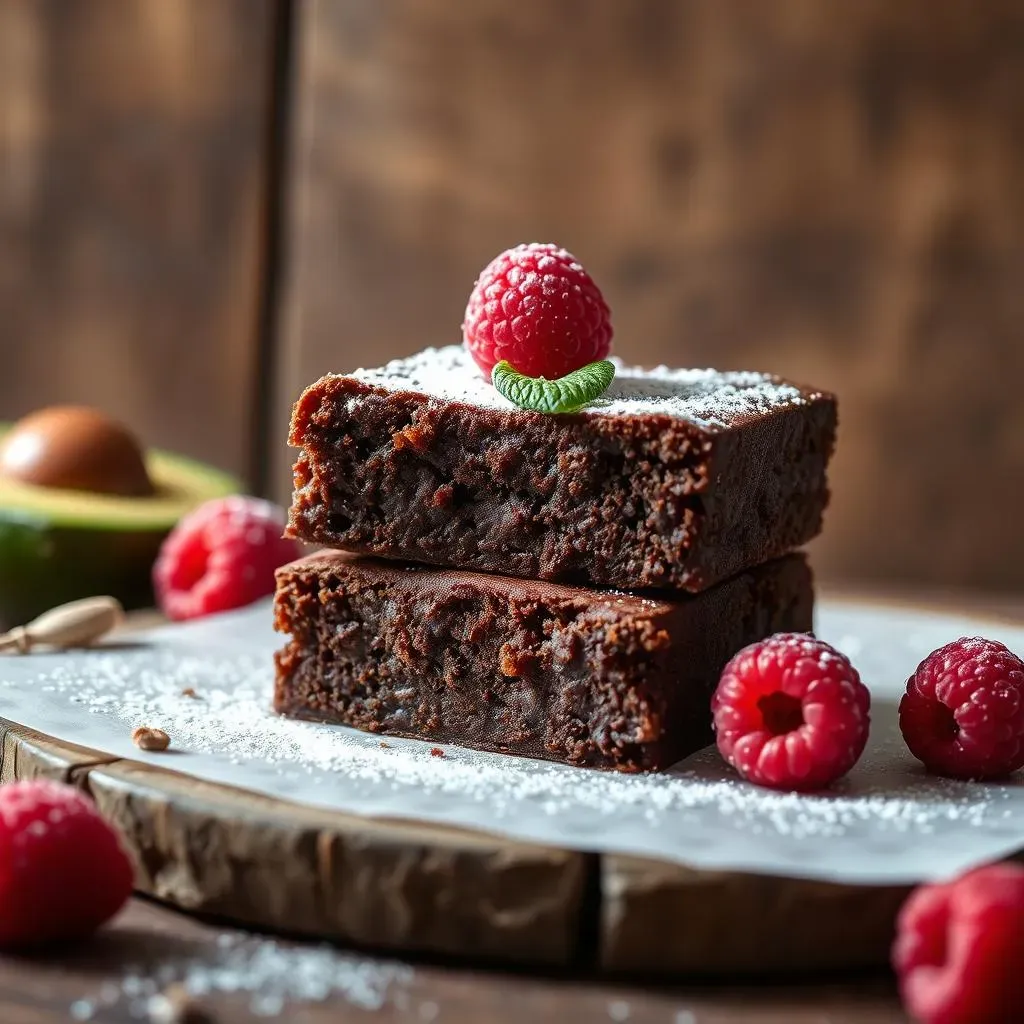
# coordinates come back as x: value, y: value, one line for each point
x: 58, y: 545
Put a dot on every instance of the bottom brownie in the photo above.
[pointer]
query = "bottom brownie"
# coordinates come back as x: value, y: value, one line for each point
x: 589, y: 677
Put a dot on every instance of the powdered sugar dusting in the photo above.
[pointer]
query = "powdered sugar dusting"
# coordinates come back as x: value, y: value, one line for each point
x: 237, y: 724
x: 272, y: 974
x: 707, y: 398
x: 887, y: 822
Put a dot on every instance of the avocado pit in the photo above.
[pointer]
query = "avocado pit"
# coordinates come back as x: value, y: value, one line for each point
x: 75, y: 448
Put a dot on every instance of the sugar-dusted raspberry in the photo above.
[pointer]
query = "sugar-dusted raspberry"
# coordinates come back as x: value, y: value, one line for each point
x: 63, y: 871
x: 790, y: 712
x: 221, y: 556
x: 959, y: 949
x: 963, y: 712
x: 537, y: 308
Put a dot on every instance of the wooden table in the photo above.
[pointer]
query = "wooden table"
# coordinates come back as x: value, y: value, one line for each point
x: 41, y: 990
x: 147, y: 939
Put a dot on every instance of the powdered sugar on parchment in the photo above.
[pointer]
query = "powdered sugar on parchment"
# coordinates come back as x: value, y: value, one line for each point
x: 707, y: 398
x: 887, y: 822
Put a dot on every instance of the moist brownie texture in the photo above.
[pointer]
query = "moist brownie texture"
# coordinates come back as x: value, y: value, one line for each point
x: 674, y: 479
x: 595, y: 678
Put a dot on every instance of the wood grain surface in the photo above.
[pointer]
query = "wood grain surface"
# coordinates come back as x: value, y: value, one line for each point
x: 659, y: 918
x: 830, y: 191
x: 131, y: 202
x: 409, y: 887
x: 416, y: 888
x: 147, y: 939
x: 826, y: 191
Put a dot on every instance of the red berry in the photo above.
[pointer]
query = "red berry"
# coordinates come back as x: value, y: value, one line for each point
x: 221, y: 556
x: 537, y: 308
x: 63, y: 871
x: 960, y: 946
x: 963, y: 712
x: 791, y: 713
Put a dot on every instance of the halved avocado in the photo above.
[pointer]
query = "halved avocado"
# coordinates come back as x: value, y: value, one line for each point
x: 60, y: 545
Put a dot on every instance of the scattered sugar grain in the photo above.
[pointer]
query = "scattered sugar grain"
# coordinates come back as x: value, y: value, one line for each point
x: 176, y: 1006
x: 619, y: 1010
x: 268, y: 1006
x: 134, y: 985
x: 270, y: 973
x: 110, y: 993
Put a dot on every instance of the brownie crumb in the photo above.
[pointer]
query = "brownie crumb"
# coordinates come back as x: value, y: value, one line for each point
x: 146, y: 738
x: 189, y: 692
x: 436, y: 752
x: 385, y: 746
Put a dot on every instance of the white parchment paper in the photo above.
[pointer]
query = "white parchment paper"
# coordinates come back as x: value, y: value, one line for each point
x: 887, y: 822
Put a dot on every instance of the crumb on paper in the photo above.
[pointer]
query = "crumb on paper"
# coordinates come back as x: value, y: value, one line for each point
x: 384, y: 745
x: 189, y: 692
x: 146, y: 738
x: 436, y: 752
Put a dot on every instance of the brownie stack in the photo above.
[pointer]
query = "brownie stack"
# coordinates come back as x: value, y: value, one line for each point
x: 564, y: 587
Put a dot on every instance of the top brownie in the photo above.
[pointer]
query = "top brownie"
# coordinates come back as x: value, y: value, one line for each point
x: 672, y: 479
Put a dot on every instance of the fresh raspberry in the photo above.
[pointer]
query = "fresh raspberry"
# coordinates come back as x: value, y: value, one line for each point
x: 791, y: 713
x: 63, y: 871
x: 959, y: 948
x: 221, y: 556
x: 537, y: 308
x: 963, y: 712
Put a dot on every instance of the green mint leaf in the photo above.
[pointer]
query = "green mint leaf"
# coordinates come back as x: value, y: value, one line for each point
x: 567, y: 394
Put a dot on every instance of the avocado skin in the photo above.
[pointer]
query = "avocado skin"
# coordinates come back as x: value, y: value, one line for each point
x: 35, y: 558
x: 47, y: 558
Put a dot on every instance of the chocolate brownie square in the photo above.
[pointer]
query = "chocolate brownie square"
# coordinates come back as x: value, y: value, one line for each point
x: 597, y: 678
x: 674, y: 479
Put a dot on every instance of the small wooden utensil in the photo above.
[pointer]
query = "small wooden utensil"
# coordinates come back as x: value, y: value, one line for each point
x: 77, y: 624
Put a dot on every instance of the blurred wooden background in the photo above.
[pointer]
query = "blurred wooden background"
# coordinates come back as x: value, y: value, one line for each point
x: 131, y: 203
x: 830, y: 191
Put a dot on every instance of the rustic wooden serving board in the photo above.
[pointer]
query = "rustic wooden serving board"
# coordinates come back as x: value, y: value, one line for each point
x: 249, y: 859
